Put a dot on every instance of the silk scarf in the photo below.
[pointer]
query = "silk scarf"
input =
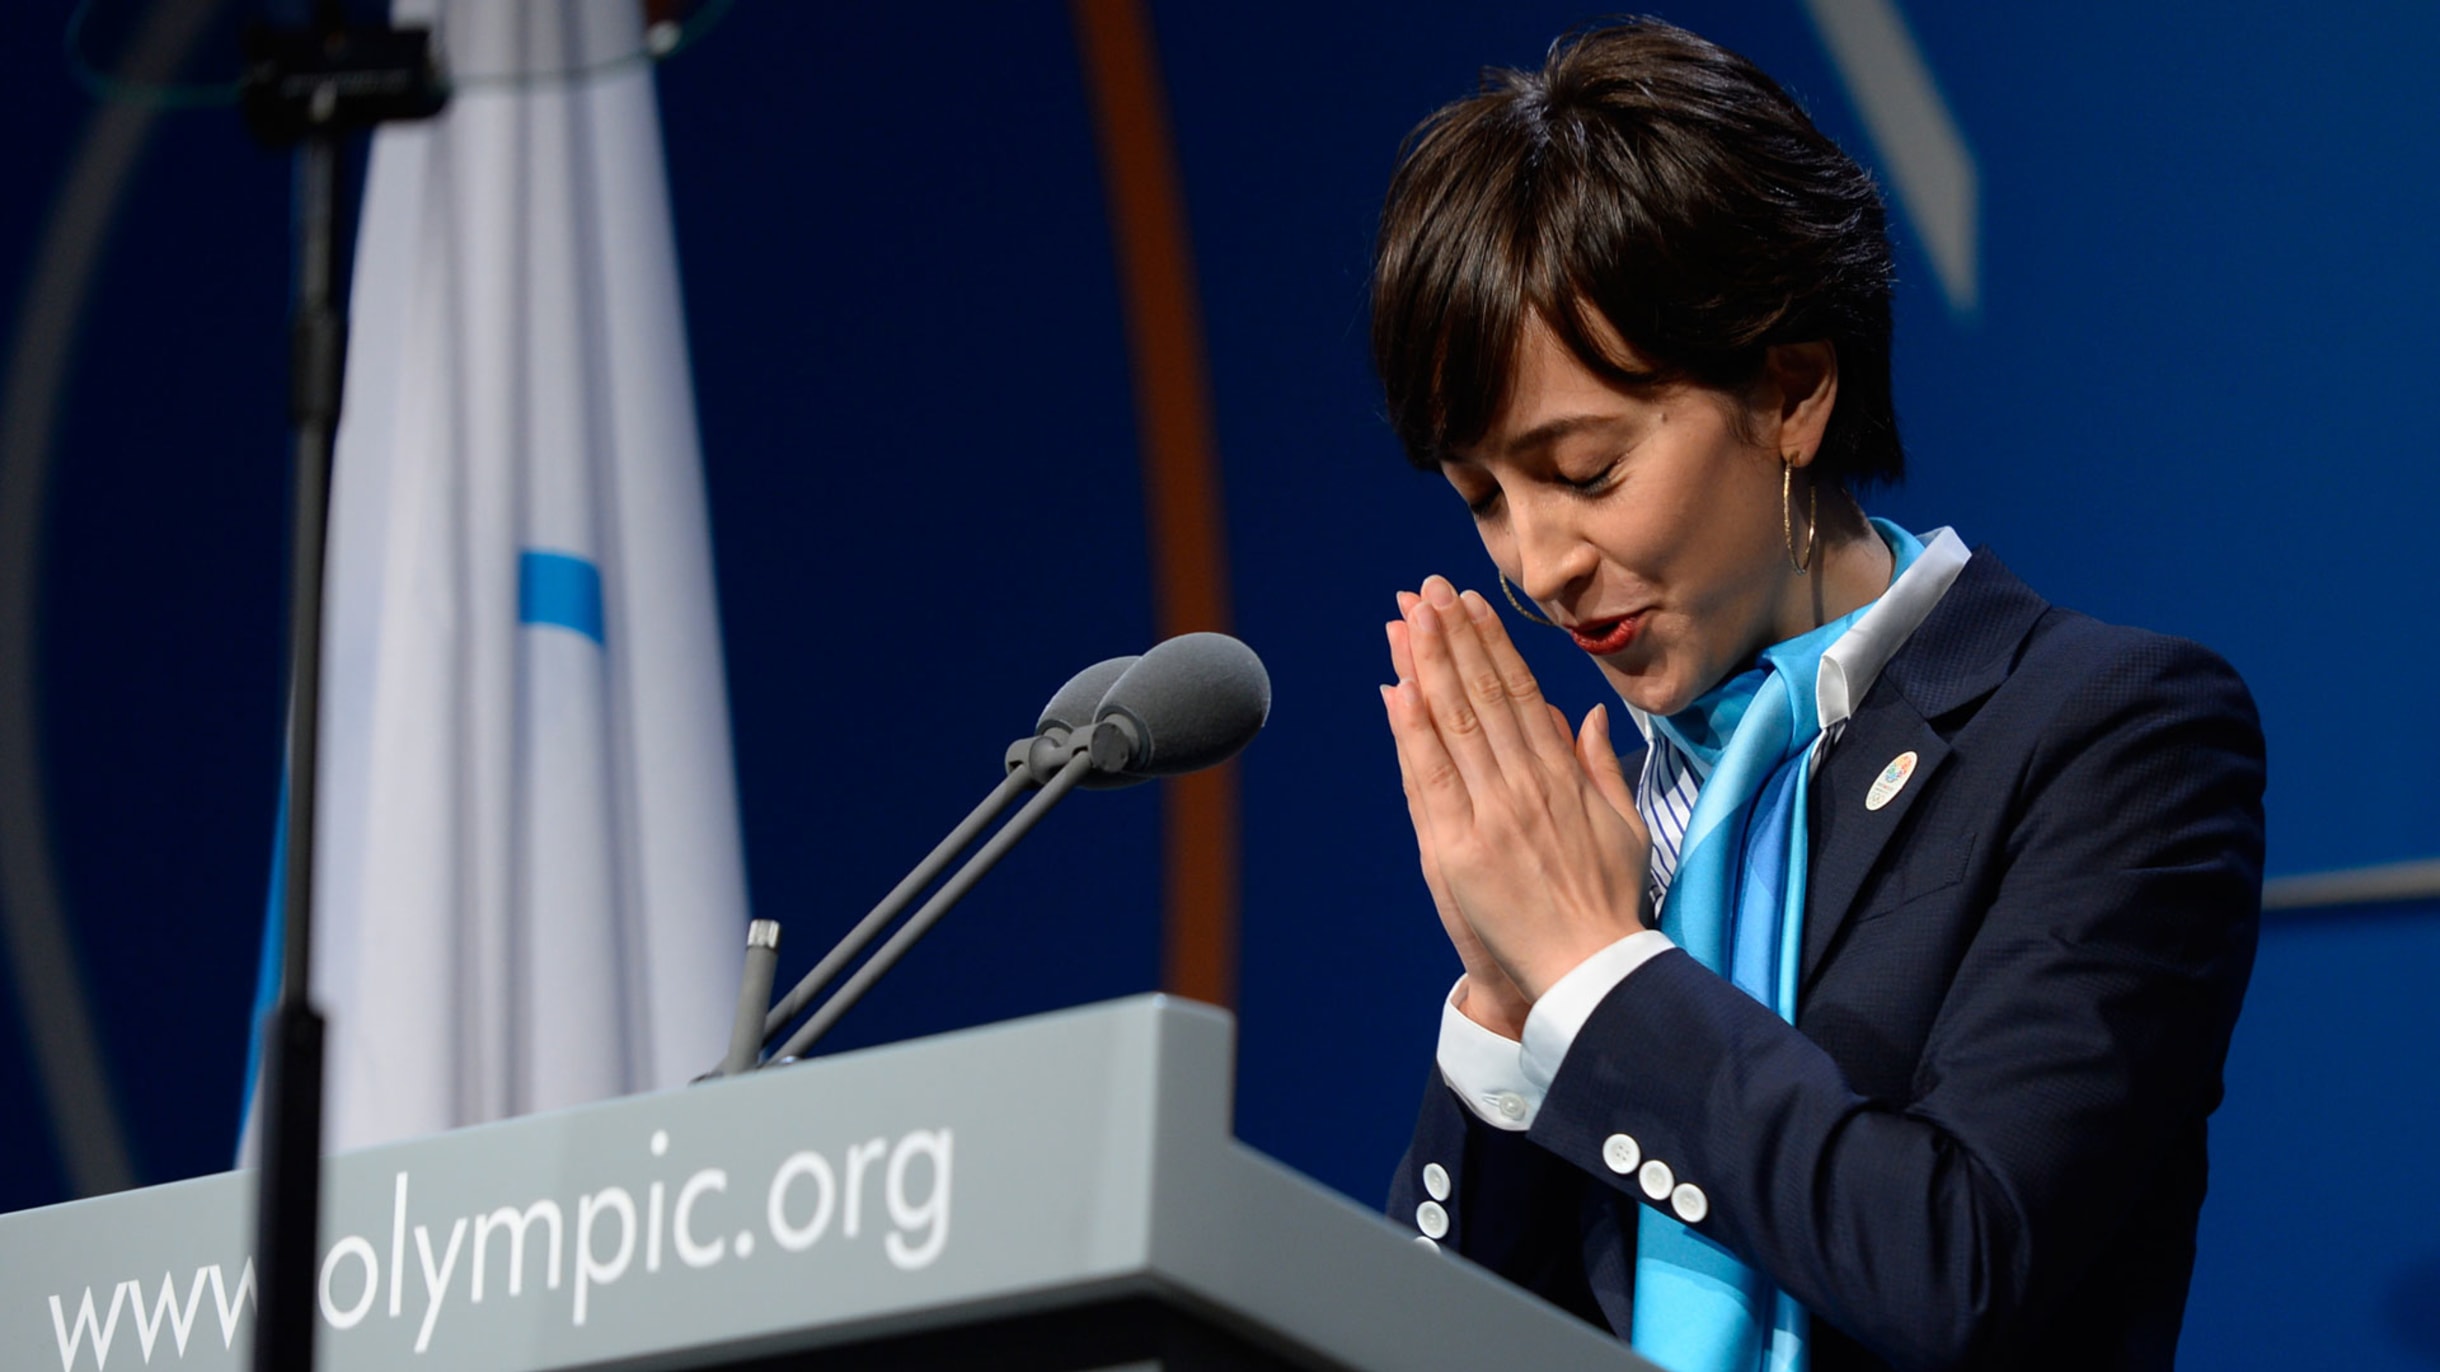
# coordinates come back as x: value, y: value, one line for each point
x: 1736, y: 903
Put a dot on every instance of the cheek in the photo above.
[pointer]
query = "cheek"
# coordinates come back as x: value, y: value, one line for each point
x: 1500, y: 548
x: 1731, y: 545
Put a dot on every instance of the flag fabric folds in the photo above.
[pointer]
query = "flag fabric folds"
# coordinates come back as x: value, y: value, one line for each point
x: 530, y: 890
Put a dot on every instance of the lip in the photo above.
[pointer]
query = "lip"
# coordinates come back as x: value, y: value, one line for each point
x: 1604, y: 637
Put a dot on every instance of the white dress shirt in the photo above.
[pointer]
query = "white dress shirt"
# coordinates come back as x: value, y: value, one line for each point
x: 1504, y: 1081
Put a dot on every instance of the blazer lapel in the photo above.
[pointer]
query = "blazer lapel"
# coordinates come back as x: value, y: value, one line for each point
x: 1960, y: 653
x: 1848, y: 836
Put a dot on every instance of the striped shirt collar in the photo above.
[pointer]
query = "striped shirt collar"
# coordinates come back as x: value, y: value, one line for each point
x: 1851, y: 665
x: 1666, y: 791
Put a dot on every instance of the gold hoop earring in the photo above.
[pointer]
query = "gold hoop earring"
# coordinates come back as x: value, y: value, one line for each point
x: 1787, y: 521
x: 1519, y: 605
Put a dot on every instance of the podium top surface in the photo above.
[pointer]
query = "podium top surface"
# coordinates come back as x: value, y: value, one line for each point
x: 1043, y: 1163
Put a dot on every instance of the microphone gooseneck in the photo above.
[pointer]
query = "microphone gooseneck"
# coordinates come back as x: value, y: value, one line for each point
x: 921, y: 922
x: 878, y: 918
x: 1071, y: 706
x: 1191, y: 702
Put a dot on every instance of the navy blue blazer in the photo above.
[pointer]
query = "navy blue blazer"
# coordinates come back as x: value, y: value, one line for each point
x: 1982, y: 1142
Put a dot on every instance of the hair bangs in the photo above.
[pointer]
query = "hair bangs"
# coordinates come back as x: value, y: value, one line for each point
x: 1663, y: 207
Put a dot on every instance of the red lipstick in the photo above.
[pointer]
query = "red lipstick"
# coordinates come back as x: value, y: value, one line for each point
x: 1602, y: 637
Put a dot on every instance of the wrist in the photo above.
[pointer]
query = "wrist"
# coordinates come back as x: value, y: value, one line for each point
x: 1537, y: 980
x: 1503, y: 1015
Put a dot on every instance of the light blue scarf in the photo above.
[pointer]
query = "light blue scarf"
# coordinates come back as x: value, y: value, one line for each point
x: 1737, y: 904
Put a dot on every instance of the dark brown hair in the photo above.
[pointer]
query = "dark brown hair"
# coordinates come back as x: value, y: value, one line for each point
x: 1647, y: 178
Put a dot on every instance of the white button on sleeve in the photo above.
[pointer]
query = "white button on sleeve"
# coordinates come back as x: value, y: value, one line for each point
x: 1436, y: 1181
x: 1620, y: 1154
x: 1561, y: 1012
x: 1689, y: 1202
x: 1483, y: 1069
x: 1656, y: 1179
x: 1432, y: 1220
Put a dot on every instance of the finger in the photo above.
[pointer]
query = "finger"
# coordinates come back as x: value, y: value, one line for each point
x: 1599, y: 753
x: 1436, y: 789
x: 1446, y: 712
x: 1519, y: 679
x: 1401, y: 651
x: 1505, y: 1004
x: 1416, y: 816
x: 1478, y: 718
x: 1523, y: 692
x: 1558, y: 721
x: 1407, y: 771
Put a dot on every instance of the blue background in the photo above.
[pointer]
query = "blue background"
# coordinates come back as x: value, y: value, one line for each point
x: 2191, y: 398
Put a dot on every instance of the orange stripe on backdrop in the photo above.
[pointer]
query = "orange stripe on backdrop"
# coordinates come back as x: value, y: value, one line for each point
x: 1181, y: 463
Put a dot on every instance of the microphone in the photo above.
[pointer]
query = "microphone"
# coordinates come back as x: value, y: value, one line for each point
x: 1072, y: 704
x: 1070, y: 713
x: 1189, y: 703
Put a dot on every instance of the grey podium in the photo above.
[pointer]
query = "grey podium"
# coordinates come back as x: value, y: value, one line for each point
x: 1056, y: 1194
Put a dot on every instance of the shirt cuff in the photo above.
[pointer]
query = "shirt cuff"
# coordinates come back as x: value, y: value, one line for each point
x: 1556, y: 1019
x: 1483, y: 1069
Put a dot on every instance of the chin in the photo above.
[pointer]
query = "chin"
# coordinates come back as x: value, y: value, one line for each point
x: 1655, y: 691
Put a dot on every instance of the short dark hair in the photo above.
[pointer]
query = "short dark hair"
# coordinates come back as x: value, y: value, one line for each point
x: 1651, y: 179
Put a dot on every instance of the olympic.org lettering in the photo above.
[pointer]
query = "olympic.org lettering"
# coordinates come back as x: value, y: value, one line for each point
x: 490, y: 1253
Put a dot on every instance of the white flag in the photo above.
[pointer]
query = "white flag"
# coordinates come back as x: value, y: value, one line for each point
x: 529, y: 890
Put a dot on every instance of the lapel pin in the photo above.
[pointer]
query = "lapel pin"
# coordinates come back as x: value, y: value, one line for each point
x: 1891, y: 781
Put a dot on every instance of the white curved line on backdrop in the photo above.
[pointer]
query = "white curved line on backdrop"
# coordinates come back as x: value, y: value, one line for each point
x: 1913, y: 131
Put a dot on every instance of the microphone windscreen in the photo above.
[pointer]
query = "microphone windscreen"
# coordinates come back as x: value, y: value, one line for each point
x: 1195, y: 700
x: 1076, y: 705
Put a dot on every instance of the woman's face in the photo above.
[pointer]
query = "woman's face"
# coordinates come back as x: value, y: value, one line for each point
x: 1645, y: 522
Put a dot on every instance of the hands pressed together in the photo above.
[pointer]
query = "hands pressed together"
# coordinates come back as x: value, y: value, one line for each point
x: 1530, y: 841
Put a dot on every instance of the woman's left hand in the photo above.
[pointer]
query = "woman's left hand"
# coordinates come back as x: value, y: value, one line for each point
x: 1535, y: 832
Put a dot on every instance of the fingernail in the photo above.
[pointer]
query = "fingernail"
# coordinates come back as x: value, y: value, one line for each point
x: 1437, y: 590
x: 1406, y: 601
x: 1477, y: 606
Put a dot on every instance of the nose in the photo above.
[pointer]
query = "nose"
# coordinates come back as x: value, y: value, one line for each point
x: 1553, y: 559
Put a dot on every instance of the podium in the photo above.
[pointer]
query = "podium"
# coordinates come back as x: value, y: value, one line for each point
x: 1054, y: 1194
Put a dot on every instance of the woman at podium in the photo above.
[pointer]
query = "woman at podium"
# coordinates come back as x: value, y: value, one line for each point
x: 1869, y: 1010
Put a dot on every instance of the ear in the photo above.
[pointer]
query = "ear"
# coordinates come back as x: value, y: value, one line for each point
x: 1800, y: 383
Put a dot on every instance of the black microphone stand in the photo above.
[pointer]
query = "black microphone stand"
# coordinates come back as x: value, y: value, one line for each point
x: 310, y: 88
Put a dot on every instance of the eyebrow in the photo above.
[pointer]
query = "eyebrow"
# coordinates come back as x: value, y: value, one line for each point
x: 1549, y: 432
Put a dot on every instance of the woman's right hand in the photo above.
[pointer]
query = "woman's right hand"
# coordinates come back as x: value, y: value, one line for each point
x: 1488, y: 996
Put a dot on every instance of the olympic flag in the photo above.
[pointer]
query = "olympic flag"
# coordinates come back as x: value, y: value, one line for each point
x: 529, y: 890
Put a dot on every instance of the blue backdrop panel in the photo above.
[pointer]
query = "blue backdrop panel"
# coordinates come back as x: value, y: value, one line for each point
x: 2318, y: 1247
x: 2185, y: 400
x: 925, y: 503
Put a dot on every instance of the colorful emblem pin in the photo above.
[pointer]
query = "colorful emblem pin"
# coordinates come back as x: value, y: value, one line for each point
x: 1891, y: 781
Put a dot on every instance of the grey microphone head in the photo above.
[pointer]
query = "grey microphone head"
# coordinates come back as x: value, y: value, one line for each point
x: 1074, y: 705
x: 1194, y: 701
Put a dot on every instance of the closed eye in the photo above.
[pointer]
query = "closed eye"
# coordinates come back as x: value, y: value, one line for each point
x: 1597, y: 482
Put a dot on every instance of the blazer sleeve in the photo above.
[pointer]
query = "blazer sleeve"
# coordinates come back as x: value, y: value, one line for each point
x: 2082, y: 1034
x: 1510, y: 1204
